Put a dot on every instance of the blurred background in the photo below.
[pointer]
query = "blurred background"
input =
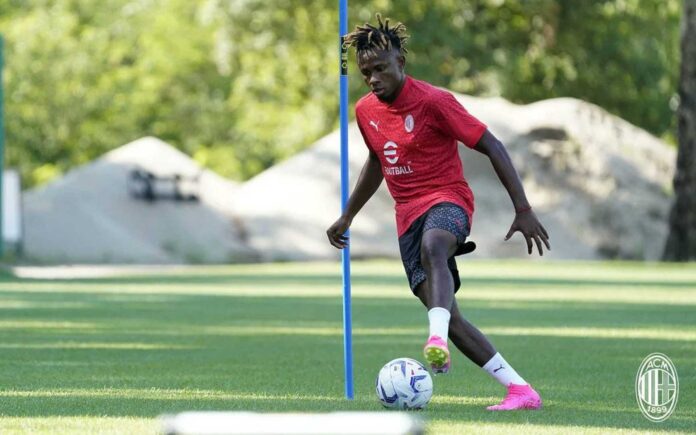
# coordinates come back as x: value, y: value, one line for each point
x: 178, y: 131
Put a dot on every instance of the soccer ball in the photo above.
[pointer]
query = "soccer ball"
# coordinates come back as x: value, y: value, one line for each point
x: 404, y: 383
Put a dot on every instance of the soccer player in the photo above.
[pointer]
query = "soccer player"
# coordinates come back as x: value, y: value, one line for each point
x: 411, y: 129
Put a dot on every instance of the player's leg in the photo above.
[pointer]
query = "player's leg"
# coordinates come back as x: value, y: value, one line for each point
x: 434, y: 278
x: 412, y: 253
x: 465, y: 336
x: 476, y: 346
x: 468, y: 339
x: 444, y: 229
x: 437, y: 246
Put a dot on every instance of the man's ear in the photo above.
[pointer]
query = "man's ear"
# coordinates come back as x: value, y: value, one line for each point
x: 402, y: 61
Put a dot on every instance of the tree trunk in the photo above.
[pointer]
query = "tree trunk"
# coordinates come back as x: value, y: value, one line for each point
x: 681, y: 243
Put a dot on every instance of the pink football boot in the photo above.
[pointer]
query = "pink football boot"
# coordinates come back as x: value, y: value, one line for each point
x: 437, y: 354
x: 518, y: 397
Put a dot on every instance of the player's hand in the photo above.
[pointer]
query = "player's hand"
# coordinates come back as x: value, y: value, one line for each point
x: 532, y: 230
x: 337, y: 231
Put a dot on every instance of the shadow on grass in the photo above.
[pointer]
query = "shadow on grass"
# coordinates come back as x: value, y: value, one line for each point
x: 310, y: 279
x: 174, y: 312
x: 69, y: 354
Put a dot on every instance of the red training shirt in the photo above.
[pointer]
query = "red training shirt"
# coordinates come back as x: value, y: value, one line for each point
x: 416, y: 138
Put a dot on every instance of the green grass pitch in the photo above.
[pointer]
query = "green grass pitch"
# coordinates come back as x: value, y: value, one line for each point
x: 111, y: 354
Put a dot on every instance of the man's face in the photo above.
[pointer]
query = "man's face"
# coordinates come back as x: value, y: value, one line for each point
x: 384, y: 73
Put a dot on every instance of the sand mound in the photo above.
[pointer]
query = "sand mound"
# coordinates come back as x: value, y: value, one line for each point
x: 88, y: 216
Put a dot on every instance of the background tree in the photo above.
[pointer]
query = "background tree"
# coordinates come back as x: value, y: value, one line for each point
x: 240, y: 85
x: 681, y: 243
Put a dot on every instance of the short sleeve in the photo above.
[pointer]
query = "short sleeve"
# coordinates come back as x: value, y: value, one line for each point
x: 359, y: 120
x: 454, y: 120
x: 364, y: 136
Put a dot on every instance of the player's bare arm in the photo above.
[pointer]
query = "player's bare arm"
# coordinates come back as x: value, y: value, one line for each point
x: 369, y: 180
x: 525, y: 220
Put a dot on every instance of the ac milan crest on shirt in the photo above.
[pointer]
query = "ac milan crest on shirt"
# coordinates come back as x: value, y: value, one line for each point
x: 408, y: 123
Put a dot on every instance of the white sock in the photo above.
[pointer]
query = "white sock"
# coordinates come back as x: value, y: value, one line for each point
x: 502, y: 371
x: 439, y: 322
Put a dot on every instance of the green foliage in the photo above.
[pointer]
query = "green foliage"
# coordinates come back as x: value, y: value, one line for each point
x: 86, y: 76
x: 620, y: 54
x: 283, y: 67
x: 240, y: 85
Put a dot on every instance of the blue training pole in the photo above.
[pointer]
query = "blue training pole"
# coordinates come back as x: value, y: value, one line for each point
x: 343, y: 114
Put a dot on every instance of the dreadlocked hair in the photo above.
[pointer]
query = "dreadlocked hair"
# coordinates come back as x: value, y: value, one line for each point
x: 368, y: 39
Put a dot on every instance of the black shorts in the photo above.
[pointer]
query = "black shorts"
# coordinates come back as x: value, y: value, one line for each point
x: 445, y: 216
